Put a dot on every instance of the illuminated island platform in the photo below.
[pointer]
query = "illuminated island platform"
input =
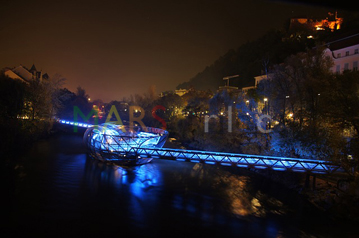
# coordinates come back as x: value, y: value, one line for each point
x: 119, y: 143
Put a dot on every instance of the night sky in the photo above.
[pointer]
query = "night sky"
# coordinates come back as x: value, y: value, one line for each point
x: 117, y: 48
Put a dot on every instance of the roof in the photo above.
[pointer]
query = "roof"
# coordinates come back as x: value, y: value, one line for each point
x: 343, y: 41
x: 33, y: 68
x: 23, y: 73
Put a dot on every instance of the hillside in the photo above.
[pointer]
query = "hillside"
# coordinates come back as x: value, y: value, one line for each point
x: 248, y: 61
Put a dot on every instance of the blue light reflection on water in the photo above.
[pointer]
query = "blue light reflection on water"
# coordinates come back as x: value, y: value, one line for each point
x: 66, y: 191
x: 148, y: 198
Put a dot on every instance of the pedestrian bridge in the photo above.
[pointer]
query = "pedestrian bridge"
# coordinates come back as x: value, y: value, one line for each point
x: 243, y: 160
x: 115, y: 143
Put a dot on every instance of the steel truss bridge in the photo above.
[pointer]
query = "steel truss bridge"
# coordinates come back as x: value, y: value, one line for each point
x: 115, y: 149
x: 242, y: 160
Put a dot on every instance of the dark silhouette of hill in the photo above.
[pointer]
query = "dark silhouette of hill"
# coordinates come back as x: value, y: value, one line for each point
x: 249, y: 60
x: 255, y: 57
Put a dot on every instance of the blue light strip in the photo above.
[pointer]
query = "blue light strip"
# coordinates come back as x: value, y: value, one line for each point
x: 79, y: 124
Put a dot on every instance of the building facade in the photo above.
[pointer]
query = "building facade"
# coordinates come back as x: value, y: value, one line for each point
x: 344, y: 52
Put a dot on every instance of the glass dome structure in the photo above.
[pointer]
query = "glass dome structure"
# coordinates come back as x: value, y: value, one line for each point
x: 119, y: 143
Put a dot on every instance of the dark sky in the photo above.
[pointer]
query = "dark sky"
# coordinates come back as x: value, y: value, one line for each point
x: 117, y: 48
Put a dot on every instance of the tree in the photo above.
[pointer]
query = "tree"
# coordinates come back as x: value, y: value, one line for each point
x: 81, y: 94
x: 38, y: 99
x: 341, y: 99
x: 55, y: 85
x: 12, y: 97
x: 173, y: 104
x: 297, y: 93
x: 65, y: 98
x: 82, y: 101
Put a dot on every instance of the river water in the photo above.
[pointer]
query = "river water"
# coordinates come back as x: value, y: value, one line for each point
x: 60, y: 192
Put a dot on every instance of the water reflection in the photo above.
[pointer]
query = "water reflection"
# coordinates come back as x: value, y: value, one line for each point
x: 240, y: 195
x: 203, y: 192
x: 65, y: 190
x: 139, y: 179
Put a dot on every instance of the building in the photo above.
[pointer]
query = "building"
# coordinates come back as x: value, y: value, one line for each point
x: 228, y: 89
x: 24, y: 74
x: 332, y: 22
x: 180, y: 92
x: 344, y: 51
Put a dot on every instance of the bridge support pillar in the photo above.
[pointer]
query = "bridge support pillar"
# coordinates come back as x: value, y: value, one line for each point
x: 307, y: 181
x: 314, y: 181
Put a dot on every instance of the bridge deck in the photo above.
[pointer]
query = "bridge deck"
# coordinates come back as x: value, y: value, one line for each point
x: 243, y: 160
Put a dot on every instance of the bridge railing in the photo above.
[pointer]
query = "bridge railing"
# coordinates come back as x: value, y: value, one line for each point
x: 243, y: 160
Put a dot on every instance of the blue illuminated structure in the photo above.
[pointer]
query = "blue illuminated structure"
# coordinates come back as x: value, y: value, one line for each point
x: 125, y: 145
x: 71, y: 123
x: 244, y: 160
x: 119, y: 143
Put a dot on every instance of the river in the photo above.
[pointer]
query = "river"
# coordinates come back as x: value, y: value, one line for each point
x: 60, y: 192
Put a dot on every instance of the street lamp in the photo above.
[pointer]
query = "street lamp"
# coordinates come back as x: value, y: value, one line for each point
x: 266, y: 104
x: 286, y: 97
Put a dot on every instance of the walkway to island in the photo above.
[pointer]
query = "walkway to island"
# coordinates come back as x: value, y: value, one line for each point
x: 140, y: 147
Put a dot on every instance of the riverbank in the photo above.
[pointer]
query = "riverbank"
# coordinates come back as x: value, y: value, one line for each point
x: 17, y: 135
x: 341, y: 201
x: 336, y: 195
